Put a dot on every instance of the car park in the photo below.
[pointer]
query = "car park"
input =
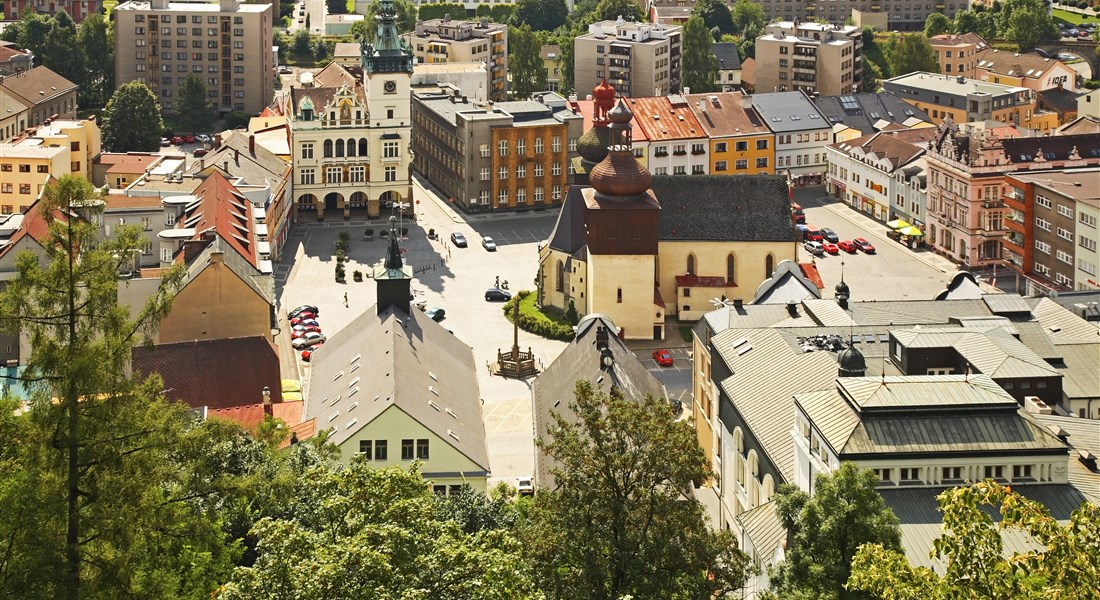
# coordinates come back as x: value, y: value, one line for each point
x: 436, y: 314
x: 828, y: 235
x: 488, y: 243
x: 303, y: 308
x: 864, y: 245
x: 662, y: 357
x: 458, y: 240
x: 814, y: 248
x: 830, y: 248
x: 309, y: 339
x: 176, y: 141
x: 497, y: 295
x: 847, y: 246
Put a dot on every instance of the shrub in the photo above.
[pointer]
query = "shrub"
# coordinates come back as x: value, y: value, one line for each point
x: 345, y: 237
x: 571, y: 313
x: 404, y: 231
x: 357, y: 275
x: 236, y: 120
x: 369, y: 232
x: 532, y: 320
x: 340, y: 256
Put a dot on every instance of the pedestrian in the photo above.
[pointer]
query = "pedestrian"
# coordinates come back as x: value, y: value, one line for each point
x: 497, y: 284
x: 345, y: 299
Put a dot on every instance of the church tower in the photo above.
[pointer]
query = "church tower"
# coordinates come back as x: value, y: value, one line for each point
x: 387, y: 74
x: 393, y: 277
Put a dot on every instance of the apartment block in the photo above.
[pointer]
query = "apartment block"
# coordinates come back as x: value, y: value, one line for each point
x: 551, y: 62
x: 873, y: 174
x: 639, y: 59
x: 966, y: 100
x: 54, y: 149
x: 456, y: 41
x: 160, y: 42
x: 678, y: 143
x: 811, y: 57
x: 958, y: 53
x: 1029, y: 70
x: 897, y: 16
x: 490, y: 157
x: 801, y: 134
x: 77, y: 9
x: 740, y: 143
x: 46, y: 95
x: 1051, y: 233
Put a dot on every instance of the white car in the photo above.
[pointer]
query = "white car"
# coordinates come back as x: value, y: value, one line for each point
x: 488, y: 243
x: 309, y: 339
x: 526, y: 486
x: 814, y: 248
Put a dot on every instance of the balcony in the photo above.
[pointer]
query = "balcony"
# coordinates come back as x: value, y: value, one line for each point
x: 1014, y: 242
x: 1015, y: 226
x: 993, y: 204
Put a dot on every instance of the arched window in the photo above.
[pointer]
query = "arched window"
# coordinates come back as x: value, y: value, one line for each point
x: 691, y: 264
x: 731, y: 270
x: 339, y: 147
x: 351, y: 147
x: 752, y: 485
x: 560, y: 285
x: 328, y: 148
x: 768, y: 488
x: 769, y: 265
x: 362, y: 146
x: 739, y: 457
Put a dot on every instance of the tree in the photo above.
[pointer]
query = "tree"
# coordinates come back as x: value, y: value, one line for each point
x: 193, y: 109
x: 748, y: 15
x: 303, y: 43
x: 716, y: 15
x: 622, y: 520
x: 525, y: 62
x: 987, y: 24
x: 747, y: 43
x: 700, y: 66
x: 376, y: 533
x: 937, y: 24
x: 541, y: 15
x: 336, y: 7
x: 1065, y: 564
x: 30, y: 32
x: 565, y: 38
x: 131, y: 120
x: 93, y: 37
x: 609, y: 10
x: 441, y: 10
x: 826, y: 530
x: 62, y: 55
x: 872, y: 76
x: 1029, y: 26
x: 359, y: 31
x: 965, y: 21
x: 911, y: 52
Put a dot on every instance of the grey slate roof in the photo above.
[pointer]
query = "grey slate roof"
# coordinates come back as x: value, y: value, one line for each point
x: 404, y: 357
x: 862, y: 111
x: 789, y: 112
x: 727, y: 55
x: 569, y: 234
x: 743, y: 208
x: 787, y: 284
x: 580, y: 361
x: 258, y: 167
x: 1083, y: 434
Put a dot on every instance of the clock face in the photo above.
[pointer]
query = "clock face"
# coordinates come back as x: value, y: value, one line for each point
x: 390, y: 87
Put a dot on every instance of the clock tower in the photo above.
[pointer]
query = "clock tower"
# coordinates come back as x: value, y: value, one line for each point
x: 387, y: 72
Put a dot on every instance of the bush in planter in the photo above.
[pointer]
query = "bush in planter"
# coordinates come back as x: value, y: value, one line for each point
x: 340, y: 272
x: 404, y: 231
x: 345, y: 237
x: 385, y: 233
x: 340, y: 255
x: 357, y: 275
x: 368, y: 232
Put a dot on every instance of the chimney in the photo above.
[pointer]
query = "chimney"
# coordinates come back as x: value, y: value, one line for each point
x: 1035, y: 406
x: 746, y: 102
x: 960, y: 79
x: 792, y: 308
x: 267, y: 402
x: 217, y: 257
x: 252, y: 144
x: 602, y: 337
x: 687, y: 90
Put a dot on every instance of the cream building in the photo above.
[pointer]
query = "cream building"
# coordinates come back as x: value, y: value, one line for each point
x: 811, y: 57
x: 56, y: 148
x: 639, y: 59
x: 452, y: 40
x: 639, y: 249
x: 351, y: 137
x: 160, y: 42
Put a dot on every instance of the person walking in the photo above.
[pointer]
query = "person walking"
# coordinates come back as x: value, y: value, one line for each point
x: 345, y: 299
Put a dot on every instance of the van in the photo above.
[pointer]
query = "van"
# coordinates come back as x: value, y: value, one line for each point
x: 812, y: 234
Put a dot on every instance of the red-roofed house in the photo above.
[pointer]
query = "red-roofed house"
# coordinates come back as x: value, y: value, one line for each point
x: 677, y: 142
x: 117, y: 170
x: 640, y: 142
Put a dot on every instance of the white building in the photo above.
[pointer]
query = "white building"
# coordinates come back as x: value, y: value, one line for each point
x: 801, y: 134
x: 877, y: 174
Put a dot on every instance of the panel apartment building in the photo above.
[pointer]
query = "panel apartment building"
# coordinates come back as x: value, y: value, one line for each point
x: 639, y: 59
x: 967, y: 100
x: 159, y: 43
x: 810, y: 57
x: 898, y: 16
x: 454, y: 41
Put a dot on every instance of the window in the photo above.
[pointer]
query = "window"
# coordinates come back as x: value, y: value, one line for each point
x: 1064, y: 257
x: 1086, y: 219
x: 884, y: 475
x: 24, y: 168
x: 720, y: 147
x: 1021, y: 471
x: 555, y: 169
x: 1087, y: 243
x: 380, y: 449
x: 357, y: 174
x: 555, y: 144
x: 406, y: 449
x: 484, y: 173
x: 484, y: 151
x: 1042, y: 201
x: 483, y: 196
x: 996, y: 472
x: 521, y: 196
x: 761, y: 144
x: 539, y: 170
x: 307, y: 150
x: 1065, y: 211
x: 521, y: 147
x: 911, y: 474
x: 679, y: 170
x: 391, y: 174
x: 1042, y: 224
x: 741, y: 146
x: 24, y: 188
x: 619, y: 296
x: 741, y: 164
x: 573, y: 144
x: 521, y: 171
x: 502, y: 148
x: 365, y: 447
x: 555, y: 193
x: 952, y: 473
x: 502, y: 173
x: 691, y: 264
x: 538, y: 145
x: 731, y: 270
x: 308, y: 176
x: 502, y: 197
x: 333, y: 175
x: 422, y: 449
x: 762, y: 163
x: 719, y: 165
x: 1042, y: 246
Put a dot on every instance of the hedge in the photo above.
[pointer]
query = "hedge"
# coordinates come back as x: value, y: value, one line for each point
x: 532, y: 320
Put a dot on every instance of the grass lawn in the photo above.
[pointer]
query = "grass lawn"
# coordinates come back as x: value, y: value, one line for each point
x: 685, y: 332
x: 351, y: 7
x: 1070, y: 17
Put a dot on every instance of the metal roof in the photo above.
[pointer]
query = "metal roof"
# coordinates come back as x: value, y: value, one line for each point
x: 993, y: 352
x: 764, y: 529
x: 1083, y: 434
x: 922, y: 523
x: 789, y: 111
x: 924, y: 391
x: 1080, y: 378
x: 830, y: 415
x: 943, y: 434
x: 1000, y: 304
x: 1063, y: 325
x: 827, y: 312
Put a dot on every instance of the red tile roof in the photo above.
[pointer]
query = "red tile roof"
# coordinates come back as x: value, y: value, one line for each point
x: 128, y: 162
x: 693, y: 281
x: 9, y: 52
x: 661, y: 119
x: 34, y: 225
x: 224, y: 210
x: 119, y: 200
x: 251, y: 415
x: 584, y: 108
x: 809, y: 270
x: 214, y: 373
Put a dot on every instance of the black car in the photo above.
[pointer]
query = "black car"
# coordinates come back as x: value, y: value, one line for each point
x: 301, y: 309
x: 497, y: 295
x: 458, y: 240
x: 829, y: 235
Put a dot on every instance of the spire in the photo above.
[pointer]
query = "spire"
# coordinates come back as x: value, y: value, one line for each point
x: 388, y: 53
x: 393, y: 255
x: 386, y: 38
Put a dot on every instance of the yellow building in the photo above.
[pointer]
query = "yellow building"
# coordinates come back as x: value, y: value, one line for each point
x: 740, y: 142
x: 640, y: 249
x: 968, y: 100
x: 53, y: 149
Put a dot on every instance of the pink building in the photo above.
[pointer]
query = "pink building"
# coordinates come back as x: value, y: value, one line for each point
x: 967, y: 165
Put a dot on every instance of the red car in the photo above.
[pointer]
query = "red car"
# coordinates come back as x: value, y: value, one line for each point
x: 201, y: 152
x: 847, y: 246
x: 830, y: 248
x: 176, y: 141
x: 813, y: 234
x: 864, y: 245
x: 189, y: 139
x: 662, y: 357
x: 303, y: 316
x: 297, y: 333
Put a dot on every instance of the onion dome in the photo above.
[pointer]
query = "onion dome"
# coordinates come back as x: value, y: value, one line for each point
x: 842, y: 290
x: 851, y: 362
x: 604, y: 91
x: 592, y: 146
x: 620, y: 114
x: 620, y: 174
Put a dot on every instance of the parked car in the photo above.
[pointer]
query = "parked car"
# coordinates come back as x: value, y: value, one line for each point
x: 176, y: 141
x: 436, y: 314
x: 285, y: 70
x: 814, y: 248
x: 812, y: 234
x: 203, y: 138
x: 303, y: 308
x: 662, y: 357
x: 497, y: 295
x: 309, y: 339
x: 864, y: 245
x: 458, y: 240
x: 189, y: 139
x: 830, y: 248
x: 304, y: 319
x: 829, y: 235
x: 847, y: 246
x: 297, y: 333
x: 488, y: 243
x: 200, y: 152
x: 525, y: 486
x: 165, y: 142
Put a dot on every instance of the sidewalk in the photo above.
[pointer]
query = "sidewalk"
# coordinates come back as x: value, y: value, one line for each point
x: 458, y: 216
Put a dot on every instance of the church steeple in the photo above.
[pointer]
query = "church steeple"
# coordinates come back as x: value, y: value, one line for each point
x: 393, y: 277
x: 389, y: 53
x: 619, y: 174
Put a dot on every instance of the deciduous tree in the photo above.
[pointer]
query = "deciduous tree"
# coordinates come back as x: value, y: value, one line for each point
x: 909, y: 53
x: 525, y: 62
x: 700, y: 66
x: 336, y: 7
x: 541, y: 15
x: 1030, y: 25
x: 622, y: 521
x: 826, y: 530
x: 716, y: 15
x: 131, y: 120
x: 609, y: 10
x: 748, y: 15
x: 965, y: 21
x: 1065, y: 563
x: 438, y: 11
x: 193, y: 108
x: 937, y: 24
x: 93, y: 38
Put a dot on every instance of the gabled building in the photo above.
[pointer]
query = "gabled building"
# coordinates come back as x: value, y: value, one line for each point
x: 739, y: 141
x: 1029, y: 70
x: 13, y: 115
x: 801, y: 134
x: 117, y: 170
x: 729, y: 66
x: 677, y: 142
x: 870, y: 174
x: 867, y: 113
x: 13, y: 60
x: 958, y: 53
x: 46, y: 95
x: 1059, y: 101
x: 394, y: 379
x: 965, y: 100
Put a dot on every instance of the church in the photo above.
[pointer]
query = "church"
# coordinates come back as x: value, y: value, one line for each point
x: 641, y: 249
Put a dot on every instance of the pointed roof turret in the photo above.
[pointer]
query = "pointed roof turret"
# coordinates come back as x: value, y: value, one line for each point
x: 393, y: 254
x: 620, y: 174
